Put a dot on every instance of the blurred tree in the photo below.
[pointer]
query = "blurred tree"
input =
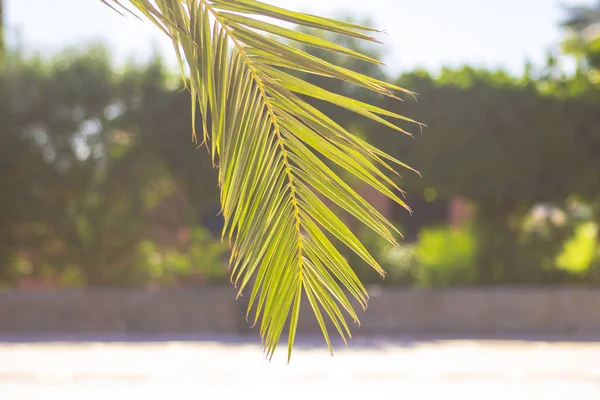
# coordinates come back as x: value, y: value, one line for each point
x: 506, y: 146
x: 88, y: 154
x: 72, y: 194
x: 583, y: 42
x: 158, y: 111
x: 137, y: 151
x: 583, y: 28
x: 372, y: 132
x: 534, y: 140
x: 198, y: 258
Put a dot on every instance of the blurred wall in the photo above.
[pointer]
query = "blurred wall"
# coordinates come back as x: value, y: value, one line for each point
x: 214, y: 310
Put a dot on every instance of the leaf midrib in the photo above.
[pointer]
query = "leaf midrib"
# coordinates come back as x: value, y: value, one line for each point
x: 273, y: 118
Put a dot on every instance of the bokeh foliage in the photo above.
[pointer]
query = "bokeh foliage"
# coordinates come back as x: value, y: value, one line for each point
x: 98, y: 173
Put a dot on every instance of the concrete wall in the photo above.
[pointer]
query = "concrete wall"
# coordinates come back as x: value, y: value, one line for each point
x: 215, y: 310
x: 116, y: 311
x: 518, y: 311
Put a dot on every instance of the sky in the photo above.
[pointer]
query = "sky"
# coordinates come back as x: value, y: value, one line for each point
x: 426, y: 34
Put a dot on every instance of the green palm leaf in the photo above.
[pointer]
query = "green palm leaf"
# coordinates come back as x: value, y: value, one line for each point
x: 267, y: 141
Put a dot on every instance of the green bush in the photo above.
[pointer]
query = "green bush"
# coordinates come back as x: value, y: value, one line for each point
x: 445, y: 257
x: 396, y: 261
x: 199, y: 259
x: 579, y: 252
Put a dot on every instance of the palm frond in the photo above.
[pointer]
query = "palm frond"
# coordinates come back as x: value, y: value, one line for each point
x: 268, y: 140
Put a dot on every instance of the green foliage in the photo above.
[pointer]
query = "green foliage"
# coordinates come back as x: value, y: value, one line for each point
x: 445, y: 257
x: 506, y: 145
x: 580, y: 251
x: 582, y: 39
x: 269, y: 141
x: 99, y: 174
x: 512, y: 118
x: 199, y: 258
x: 45, y: 231
x: 397, y: 261
x: 440, y: 257
x: 91, y: 158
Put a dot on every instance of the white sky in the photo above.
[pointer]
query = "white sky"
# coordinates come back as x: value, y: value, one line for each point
x: 421, y: 33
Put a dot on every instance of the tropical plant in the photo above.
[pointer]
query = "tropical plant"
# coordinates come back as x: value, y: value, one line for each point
x: 274, y: 152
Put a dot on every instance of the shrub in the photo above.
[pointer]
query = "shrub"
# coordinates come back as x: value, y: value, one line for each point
x: 445, y: 257
x: 200, y: 259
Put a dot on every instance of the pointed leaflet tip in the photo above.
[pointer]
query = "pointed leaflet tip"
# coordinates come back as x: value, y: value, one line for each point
x: 117, y: 2
x: 105, y: 2
x: 277, y: 100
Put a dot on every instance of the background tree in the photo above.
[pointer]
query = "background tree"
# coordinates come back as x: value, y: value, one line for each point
x: 506, y: 146
x: 583, y: 41
x: 91, y: 169
x: 98, y: 164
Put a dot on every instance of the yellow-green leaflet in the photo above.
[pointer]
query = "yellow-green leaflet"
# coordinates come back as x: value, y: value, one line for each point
x: 266, y: 141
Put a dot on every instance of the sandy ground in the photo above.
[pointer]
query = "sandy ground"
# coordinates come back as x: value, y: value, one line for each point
x: 235, y: 369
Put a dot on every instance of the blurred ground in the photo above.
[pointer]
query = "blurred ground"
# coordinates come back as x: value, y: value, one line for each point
x: 234, y: 368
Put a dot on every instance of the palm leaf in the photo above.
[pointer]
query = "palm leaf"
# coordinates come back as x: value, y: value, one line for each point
x: 267, y: 140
